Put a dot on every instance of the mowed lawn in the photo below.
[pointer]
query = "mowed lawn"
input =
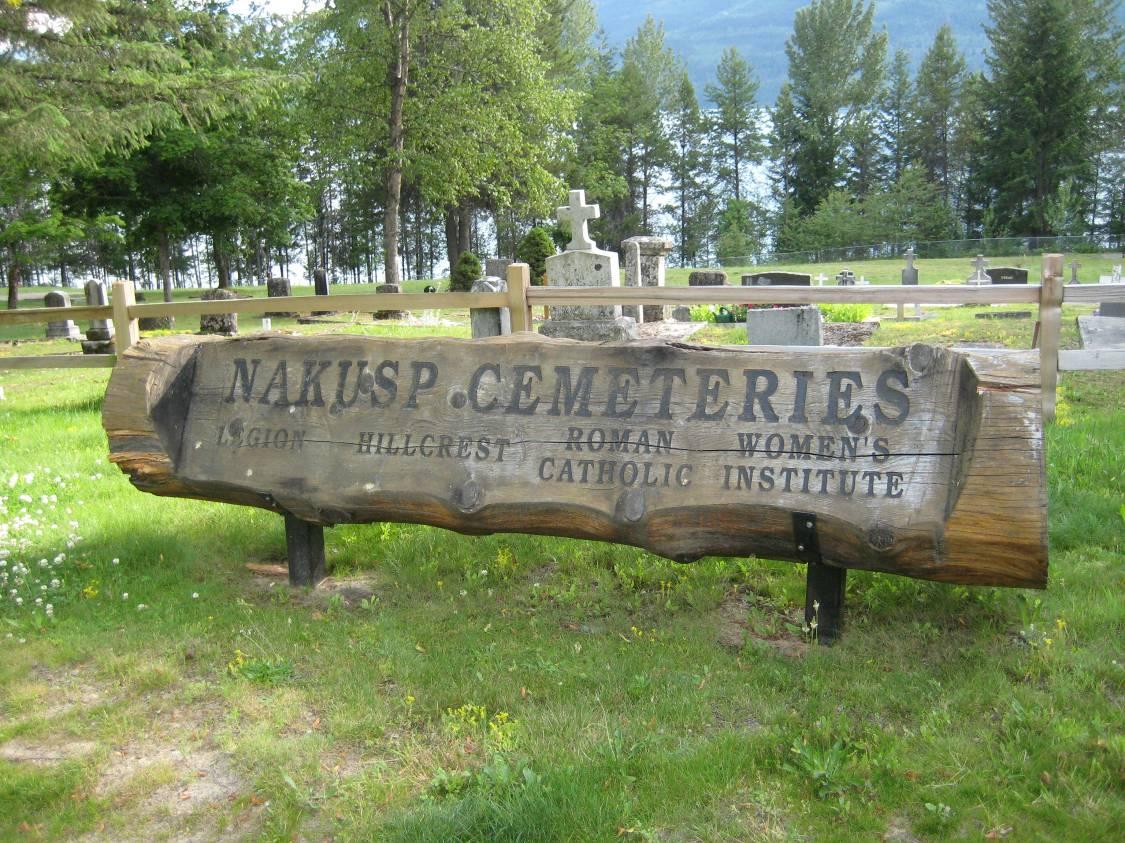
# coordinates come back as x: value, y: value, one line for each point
x: 525, y: 688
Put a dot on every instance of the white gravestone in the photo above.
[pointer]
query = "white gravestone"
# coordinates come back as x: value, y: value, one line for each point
x: 584, y: 265
x: 979, y: 276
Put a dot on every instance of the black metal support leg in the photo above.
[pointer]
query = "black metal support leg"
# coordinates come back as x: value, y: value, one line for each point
x: 824, y: 600
x: 304, y: 545
x: 824, y: 584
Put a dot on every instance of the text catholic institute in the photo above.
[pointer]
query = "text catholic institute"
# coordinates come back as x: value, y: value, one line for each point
x: 695, y: 394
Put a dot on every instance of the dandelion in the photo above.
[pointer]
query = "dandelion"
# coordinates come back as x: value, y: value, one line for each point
x: 464, y: 593
x: 115, y: 561
x: 125, y: 595
x: 195, y: 595
x: 141, y: 607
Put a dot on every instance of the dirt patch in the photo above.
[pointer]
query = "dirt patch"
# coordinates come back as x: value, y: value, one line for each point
x: 49, y: 693
x: 734, y: 628
x: 169, y: 793
x: 351, y: 590
x: 898, y: 831
x: 847, y: 333
x: 44, y: 754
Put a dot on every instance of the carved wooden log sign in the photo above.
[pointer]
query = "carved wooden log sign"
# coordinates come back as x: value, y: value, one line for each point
x: 919, y: 461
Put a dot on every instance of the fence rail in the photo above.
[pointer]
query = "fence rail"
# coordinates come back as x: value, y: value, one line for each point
x: 521, y: 297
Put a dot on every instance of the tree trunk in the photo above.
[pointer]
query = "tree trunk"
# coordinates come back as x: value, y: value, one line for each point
x: 13, y: 278
x: 398, y: 73
x: 164, y: 264
x: 222, y: 262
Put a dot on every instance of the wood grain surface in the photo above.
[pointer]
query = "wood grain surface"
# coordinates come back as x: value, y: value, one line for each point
x: 919, y: 461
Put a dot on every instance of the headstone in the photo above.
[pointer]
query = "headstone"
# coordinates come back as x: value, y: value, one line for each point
x: 845, y: 278
x: 490, y: 321
x: 584, y: 265
x: 681, y: 313
x: 389, y: 289
x: 777, y: 277
x: 652, y: 255
x: 979, y: 276
x: 1112, y: 308
x: 219, y: 323
x: 1074, y: 267
x: 784, y: 326
x: 279, y: 288
x: 64, y: 329
x: 820, y: 279
x: 707, y: 278
x: 153, y: 323
x: 320, y: 288
x: 632, y: 277
x: 496, y: 267
x: 99, y: 336
x: 1007, y: 274
x: 910, y: 273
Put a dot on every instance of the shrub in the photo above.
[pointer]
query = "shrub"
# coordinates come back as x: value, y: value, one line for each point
x: 845, y: 312
x: 534, y: 249
x: 465, y: 273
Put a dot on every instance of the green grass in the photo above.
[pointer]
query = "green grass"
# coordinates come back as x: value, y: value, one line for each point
x: 930, y: 270
x: 528, y: 688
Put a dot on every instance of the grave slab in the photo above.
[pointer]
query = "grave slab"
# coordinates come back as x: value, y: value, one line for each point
x: 784, y: 326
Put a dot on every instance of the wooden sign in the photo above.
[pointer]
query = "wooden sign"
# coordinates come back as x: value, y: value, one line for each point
x: 918, y: 461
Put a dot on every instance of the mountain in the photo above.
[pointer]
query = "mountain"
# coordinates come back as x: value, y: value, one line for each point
x: 699, y: 30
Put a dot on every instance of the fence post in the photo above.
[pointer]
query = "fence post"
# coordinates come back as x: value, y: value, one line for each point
x: 125, y: 329
x: 519, y: 279
x: 1050, y: 323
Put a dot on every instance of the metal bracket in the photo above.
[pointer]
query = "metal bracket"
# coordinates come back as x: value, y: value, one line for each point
x: 824, y: 584
x: 304, y: 547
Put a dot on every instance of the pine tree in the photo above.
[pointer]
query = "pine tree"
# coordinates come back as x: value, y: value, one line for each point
x: 736, y: 140
x: 940, y: 79
x: 85, y: 77
x: 649, y: 74
x: 1055, y: 67
x: 691, y: 208
x: 896, y: 116
x: 835, y: 75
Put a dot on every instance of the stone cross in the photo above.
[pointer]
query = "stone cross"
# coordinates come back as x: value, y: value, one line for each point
x: 578, y: 214
x: 978, y: 265
x: 1074, y: 265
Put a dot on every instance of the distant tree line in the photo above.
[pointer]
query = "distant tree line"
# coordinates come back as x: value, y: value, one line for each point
x: 175, y: 142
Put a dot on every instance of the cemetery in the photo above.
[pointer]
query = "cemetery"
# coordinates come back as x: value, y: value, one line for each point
x: 455, y: 422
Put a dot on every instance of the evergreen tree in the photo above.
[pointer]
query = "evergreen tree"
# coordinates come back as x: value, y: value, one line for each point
x: 649, y: 75
x: 835, y: 74
x: 940, y: 78
x: 1056, y: 65
x: 689, y: 164
x: 85, y: 77
x: 534, y: 249
x: 736, y: 140
x: 896, y: 116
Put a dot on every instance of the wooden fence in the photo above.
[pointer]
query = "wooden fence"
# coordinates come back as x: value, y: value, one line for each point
x: 521, y: 297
